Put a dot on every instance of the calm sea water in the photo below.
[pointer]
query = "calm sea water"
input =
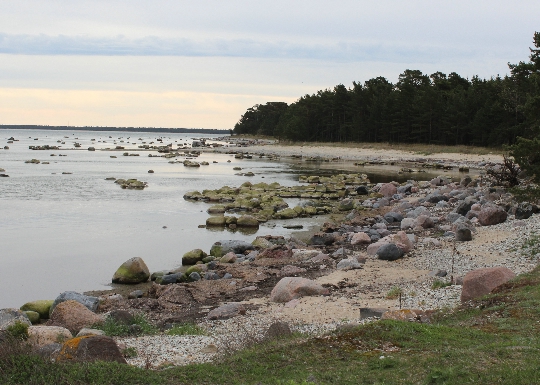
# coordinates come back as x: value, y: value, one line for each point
x: 63, y: 232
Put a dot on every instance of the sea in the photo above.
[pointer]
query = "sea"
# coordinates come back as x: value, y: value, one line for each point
x: 63, y: 226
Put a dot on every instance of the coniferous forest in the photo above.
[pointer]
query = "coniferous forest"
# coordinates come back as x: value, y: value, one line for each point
x: 419, y: 108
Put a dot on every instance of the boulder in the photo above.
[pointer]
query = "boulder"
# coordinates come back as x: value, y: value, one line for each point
x: 465, y: 206
x: 134, y: 270
x: 291, y: 271
x: 407, y: 223
x: 480, y: 282
x: 216, y: 209
x: 216, y: 221
x: 32, y: 316
x: 193, y: 256
x: 463, y: 233
x: 91, y: 348
x: 290, y: 288
x: 41, y: 307
x: 362, y: 190
x: 349, y: 264
x: 73, y: 316
x: 9, y: 317
x: 402, y: 240
x: 261, y: 243
x: 389, y: 252
x: 278, y: 330
x: 121, y: 316
x: 346, y: 205
x: 247, y: 221
x: 91, y: 303
x: 388, y: 190
x: 84, y: 332
x: 423, y: 221
x: 228, y: 258
x: 219, y: 249
x: 524, y: 210
x: 39, y: 336
x: 491, y: 215
x: 393, y: 216
x: 227, y: 311
x: 360, y: 238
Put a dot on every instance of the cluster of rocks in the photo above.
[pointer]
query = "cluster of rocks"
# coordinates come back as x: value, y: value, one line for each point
x: 44, y: 147
x: 131, y: 184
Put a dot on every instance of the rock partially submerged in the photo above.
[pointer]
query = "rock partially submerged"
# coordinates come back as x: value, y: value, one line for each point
x: 134, y: 270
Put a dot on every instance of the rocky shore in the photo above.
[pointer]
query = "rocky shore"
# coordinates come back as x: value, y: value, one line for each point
x: 399, y: 251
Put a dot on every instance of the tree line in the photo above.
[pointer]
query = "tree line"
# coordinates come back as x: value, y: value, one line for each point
x: 419, y: 108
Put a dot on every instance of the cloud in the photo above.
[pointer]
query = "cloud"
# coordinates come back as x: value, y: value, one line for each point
x: 248, y: 48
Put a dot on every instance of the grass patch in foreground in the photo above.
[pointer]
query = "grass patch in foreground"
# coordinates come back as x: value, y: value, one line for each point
x: 497, y: 341
x: 186, y: 329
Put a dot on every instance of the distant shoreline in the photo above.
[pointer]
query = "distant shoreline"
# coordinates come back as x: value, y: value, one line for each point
x: 125, y: 129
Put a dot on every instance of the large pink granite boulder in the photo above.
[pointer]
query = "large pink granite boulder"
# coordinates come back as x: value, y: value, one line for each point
x: 290, y: 288
x: 388, y: 189
x: 480, y: 282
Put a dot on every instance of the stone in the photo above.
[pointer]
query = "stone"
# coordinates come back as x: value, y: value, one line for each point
x: 121, y: 316
x: 524, y: 210
x: 291, y: 271
x: 216, y: 221
x: 39, y: 336
x: 402, y: 240
x: 438, y: 273
x: 135, y: 294
x: 216, y: 209
x: 73, y: 316
x: 49, y: 352
x: 389, y: 252
x: 91, y: 303
x: 211, y: 276
x: 480, y: 282
x: 227, y: 311
x: 9, y: 317
x: 276, y: 252
x: 465, y: 206
x: 193, y: 256
x: 168, y: 279
x: 349, y: 264
x: 362, y: 190
x: 462, y: 233
x: 406, y: 223
x: 194, y: 276
x: 360, y: 238
x: 41, y: 307
x: 400, y: 315
x: 134, y: 270
x: 346, y: 205
x: 491, y: 215
x: 91, y: 348
x: 261, y: 243
x: 228, y: 258
x: 84, y: 332
x: 290, y: 288
x: 219, y: 249
x: 32, y: 316
x: 388, y: 189
x: 423, y: 221
x: 247, y: 221
x: 278, y: 330
x: 393, y: 216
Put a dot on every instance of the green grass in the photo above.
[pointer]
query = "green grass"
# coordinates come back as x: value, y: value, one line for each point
x: 187, y: 329
x: 439, y: 284
x: 394, y: 293
x: 114, y: 328
x: 494, y: 341
x: 531, y: 247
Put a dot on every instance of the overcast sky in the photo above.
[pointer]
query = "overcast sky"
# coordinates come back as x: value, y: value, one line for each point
x: 173, y: 63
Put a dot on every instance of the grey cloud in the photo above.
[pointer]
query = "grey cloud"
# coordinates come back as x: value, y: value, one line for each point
x: 156, y: 46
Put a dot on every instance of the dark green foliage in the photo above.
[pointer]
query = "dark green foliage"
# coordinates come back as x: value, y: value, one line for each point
x: 18, y: 330
x: 419, y: 108
x: 526, y: 153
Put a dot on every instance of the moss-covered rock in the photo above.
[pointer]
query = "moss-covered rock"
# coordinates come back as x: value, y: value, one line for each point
x: 216, y: 221
x: 261, y: 243
x: 191, y: 257
x: 286, y: 214
x: 41, y: 307
x: 216, y: 209
x: 247, y: 221
x: 32, y: 316
x: 195, y: 269
x: 134, y: 270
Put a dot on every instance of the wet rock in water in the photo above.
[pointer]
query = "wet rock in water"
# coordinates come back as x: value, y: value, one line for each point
x: 278, y: 330
x: 150, y: 171
x: 491, y: 214
x: 91, y: 149
x: 216, y: 221
x: 290, y: 288
x: 247, y: 221
x: 134, y: 270
x: 193, y: 256
x: 42, y: 307
x: 91, y: 303
x: 42, y: 335
x: 480, y: 282
x: 389, y: 252
x: 227, y: 311
x: 89, y: 349
x: 9, y: 317
x: 360, y: 238
x: 73, y: 316
x: 216, y: 209
x: 462, y: 233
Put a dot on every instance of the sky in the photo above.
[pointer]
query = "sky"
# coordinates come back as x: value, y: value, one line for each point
x: 201, y: 64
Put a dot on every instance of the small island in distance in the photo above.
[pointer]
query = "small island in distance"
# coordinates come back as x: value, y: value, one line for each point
x: 101, y: 128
